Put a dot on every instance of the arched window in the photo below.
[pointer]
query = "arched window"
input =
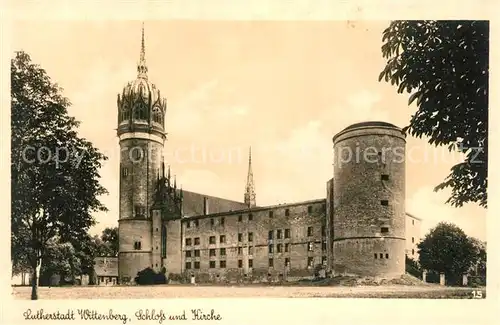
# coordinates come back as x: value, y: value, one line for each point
x: 157, y: 115
x: 140, y: 112
x: 125, y: 113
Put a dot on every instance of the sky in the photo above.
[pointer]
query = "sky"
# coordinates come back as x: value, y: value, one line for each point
x: 283, y: 88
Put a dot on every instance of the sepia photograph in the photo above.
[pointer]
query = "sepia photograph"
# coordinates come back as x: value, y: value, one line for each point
x: 156, y: 159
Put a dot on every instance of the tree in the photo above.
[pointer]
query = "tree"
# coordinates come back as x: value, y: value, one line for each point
x: 54, y: 173
x: 447, y: 249
x: 444, y: 66
x: 62, y: 259
x: 110, y: 237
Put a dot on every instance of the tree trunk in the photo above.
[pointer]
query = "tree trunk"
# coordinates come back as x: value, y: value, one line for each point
x: 34, y: 284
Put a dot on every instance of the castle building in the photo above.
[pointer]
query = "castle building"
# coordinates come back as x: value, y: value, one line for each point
x: 357, y: 228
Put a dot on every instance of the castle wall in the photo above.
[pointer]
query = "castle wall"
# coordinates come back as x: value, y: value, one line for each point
x: 131, y: 260
x: 173, y: 261
x: 369, y: 200
x: 413, y: 234
x: 156, y: 259
x: 301, y: 260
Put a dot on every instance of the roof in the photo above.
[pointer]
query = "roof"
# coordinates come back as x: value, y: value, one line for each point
x: 106, y: 266
x: 193, y: 204
x: 370, y: 123
x: 412, y: 216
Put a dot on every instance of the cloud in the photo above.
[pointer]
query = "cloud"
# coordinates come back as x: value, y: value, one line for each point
x: 429, y: 206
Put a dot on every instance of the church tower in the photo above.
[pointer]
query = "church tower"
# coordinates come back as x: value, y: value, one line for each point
x: 141, y: 133
x: 250, y: 188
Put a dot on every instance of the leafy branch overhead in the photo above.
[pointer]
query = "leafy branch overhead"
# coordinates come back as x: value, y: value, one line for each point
x: 443, y: 65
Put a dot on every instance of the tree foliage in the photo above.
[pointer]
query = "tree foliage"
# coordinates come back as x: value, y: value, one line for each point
x: 447, y: 249
x: 443, y: 65
x: 110, y: 238
x: 61, y: 259
x: 54, y: 173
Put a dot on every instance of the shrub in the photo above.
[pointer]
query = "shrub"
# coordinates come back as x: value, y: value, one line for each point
x: 149, y: 277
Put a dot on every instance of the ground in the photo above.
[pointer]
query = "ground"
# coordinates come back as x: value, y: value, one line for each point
x: 253, y: 291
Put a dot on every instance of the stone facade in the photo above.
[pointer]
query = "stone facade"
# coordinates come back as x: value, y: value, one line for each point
x: 413, y: 225
x: 359, y: 228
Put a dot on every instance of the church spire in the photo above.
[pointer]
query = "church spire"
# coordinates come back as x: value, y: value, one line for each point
x: 250, y: 188
x: 142, y: 69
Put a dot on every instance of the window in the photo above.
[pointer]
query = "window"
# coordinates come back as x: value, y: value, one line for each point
x: 250, y: 236
x: 222, y: 264
x: 250, y: 263
x: 309, y: 209
x: 270, y: 235
x: 412, y: 252
x: 240, y: 264
x: 287, y: 212
x: 323, y: 246
x: 279, y: 248
x: 310, y: 246
x: 386, y: 255
x: 140, y: 211
x: 137, y: 245
x: 188, y: 224
x: 124, y: 171
x: 188, y: 253
x: 240, y: 250
x: 250, y: 217
x: 156, y: 247
x: 197, y: 241
x: 323, y: 231
x: 310, y: 261
x: 196, y: 253
x: 375, y: 255
x: 270, y: 214
x: 211, y: 252
x: 287, y: 261
x: 197, y: 223
x: 323, y: 260
x: 222, y: 239
x: 384, y: 230
x: 240, y: 218
x: 157, y: 229
x: 381, y: 255
x: 384, y: 177
x: 279, y: 234
x: 240, y: 237
x: 271, y: 262
x: 212, y: 222
x: 413, y: 222
x: 384, y: 202
x: 212, y: 264
x: 222, y: 221
x: 196, y: 265
x: 250, y: 250
x: 413, y: 239
x: 222, y: 251
x: 188, y: 265
x: 211, y: 240
x: 287, y: 233
x: 309, y: 231
x: 287, y: 248
x: 188, y: 241
x: 270, y: 249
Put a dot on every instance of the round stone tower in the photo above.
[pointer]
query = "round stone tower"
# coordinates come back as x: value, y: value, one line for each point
x: 369, y: 200
x: 141, y: 133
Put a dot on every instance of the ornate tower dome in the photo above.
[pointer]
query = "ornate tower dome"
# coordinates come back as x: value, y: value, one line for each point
x: 140, y: 103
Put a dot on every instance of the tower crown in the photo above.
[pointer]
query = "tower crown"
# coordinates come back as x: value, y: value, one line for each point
x: 140, y: 101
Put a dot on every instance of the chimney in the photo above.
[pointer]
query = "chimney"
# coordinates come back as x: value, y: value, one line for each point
x: 205, y: 206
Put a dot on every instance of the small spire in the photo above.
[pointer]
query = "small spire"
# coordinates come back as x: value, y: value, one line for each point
x: 250, y: 188
x: 175, y: 182
x: 168, y: 176
x: 162, y: 168
x: 142, y: 69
